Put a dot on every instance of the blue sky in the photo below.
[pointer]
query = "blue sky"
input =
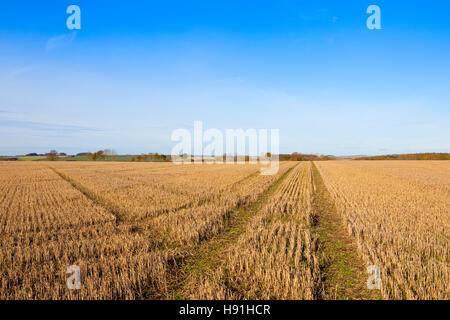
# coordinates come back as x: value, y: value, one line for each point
x: 137, y: 70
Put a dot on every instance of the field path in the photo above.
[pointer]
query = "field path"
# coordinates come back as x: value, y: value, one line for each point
x: 115, y: 210
x: 344, y: 273
x: 210, y: 254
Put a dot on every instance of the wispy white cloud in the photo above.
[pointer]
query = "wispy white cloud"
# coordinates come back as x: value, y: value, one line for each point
x: 42, y: 126
x: 20, y: 71
x: 59, y: 41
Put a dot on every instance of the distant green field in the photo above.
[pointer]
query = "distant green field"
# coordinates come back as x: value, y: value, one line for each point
x: 32, y: 158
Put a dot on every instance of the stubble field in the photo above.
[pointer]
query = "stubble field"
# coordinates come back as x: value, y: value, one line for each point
x: 162, y: 231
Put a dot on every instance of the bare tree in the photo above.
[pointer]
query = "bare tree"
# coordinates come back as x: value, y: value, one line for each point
x: 97, y: 155
x: 107, y: 153
x: 294, y: 156
x: 52, y: 155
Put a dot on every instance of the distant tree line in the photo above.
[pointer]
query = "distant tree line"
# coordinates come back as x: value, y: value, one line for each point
x: 111, y: 154
x: 295, y: 156
x: 9, y: 158
x: 150, y: 157
x: 107, y: 154
x: 410, y: 156
x: 281, y: 157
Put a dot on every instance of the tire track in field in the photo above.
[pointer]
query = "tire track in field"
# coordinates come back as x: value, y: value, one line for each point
x: 115, y: 210
x: 120, y: 213
x: 344, y: 273
x: 209, y: 254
